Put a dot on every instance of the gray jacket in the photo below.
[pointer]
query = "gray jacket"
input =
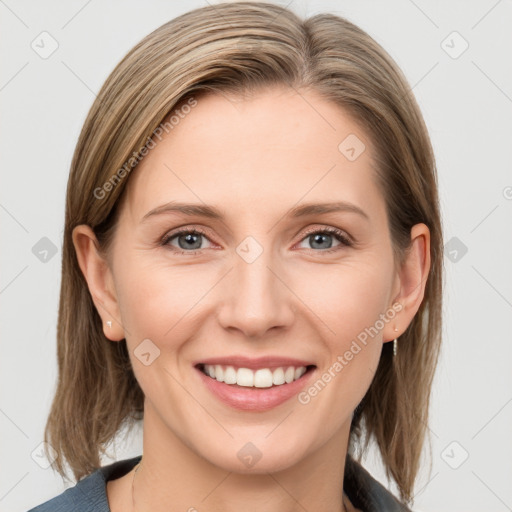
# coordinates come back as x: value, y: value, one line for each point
x: 89, y: 494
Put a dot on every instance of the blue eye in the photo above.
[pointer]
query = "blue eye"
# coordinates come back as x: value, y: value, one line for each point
x: 319, y: 235
x: 189, y: 240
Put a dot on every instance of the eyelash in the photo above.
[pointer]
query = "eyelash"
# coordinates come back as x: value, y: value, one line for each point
x: 339, y: 235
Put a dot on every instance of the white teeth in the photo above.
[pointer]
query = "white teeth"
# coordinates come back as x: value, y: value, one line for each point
x: 278, y: 377
x: 289, y: 374
x: 245, y: 377
x: 262, y: 378
x: 299, y: 372
x: 230, y: 375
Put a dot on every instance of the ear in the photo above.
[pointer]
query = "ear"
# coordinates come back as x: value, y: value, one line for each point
x: 410, y: 282
x: 98, y: 275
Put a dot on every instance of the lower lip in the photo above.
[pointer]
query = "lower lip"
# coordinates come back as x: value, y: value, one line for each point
x: 255, y: 399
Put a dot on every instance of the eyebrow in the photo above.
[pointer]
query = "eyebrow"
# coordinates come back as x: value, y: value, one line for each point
x: 203, y: 210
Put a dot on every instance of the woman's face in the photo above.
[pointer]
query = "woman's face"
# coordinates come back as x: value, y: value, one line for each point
x: 256, y: 282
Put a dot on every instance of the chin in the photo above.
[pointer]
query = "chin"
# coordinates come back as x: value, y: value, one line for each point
x: 253, y: 458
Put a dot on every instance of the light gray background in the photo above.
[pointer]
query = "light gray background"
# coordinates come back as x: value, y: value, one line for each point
x: 467, y: 105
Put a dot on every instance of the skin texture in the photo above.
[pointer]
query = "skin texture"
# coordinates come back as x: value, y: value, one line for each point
x: 254, y: 159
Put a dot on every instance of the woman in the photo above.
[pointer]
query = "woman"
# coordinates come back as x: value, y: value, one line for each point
x: 252, y: 263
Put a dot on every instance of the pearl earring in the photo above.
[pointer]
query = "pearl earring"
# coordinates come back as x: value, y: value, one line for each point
x: 109, y: 323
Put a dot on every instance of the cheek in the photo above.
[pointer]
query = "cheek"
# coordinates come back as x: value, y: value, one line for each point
x: 168, y: 304
x: 359, y: 323
x: 347, y: 298
x: 349, y: 306
x: 159, y: 301
x: 353, y: 300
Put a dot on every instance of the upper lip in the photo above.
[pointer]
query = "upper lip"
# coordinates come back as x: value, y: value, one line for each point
x: 255, y: 363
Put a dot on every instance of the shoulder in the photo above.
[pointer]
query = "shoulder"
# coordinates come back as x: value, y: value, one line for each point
x: 366, y: 493
x: 88, y: 494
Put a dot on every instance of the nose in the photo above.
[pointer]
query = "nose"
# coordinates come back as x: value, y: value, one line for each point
x: 256, y: 297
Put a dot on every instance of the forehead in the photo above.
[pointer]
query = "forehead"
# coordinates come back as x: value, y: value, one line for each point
x: 273, y: 149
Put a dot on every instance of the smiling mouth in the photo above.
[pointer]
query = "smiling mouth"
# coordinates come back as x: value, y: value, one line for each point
x: 260, y: 378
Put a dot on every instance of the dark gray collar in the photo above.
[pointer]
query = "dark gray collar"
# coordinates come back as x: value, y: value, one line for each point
x: 366, y: 493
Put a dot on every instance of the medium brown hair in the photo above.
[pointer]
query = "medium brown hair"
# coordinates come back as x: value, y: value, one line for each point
x: 243, y: 48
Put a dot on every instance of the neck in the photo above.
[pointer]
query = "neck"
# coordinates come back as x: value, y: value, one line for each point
x: 172, y: 475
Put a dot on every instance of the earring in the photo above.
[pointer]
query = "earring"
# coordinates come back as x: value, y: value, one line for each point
x: 109, y: 323
x: 395, y: 344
